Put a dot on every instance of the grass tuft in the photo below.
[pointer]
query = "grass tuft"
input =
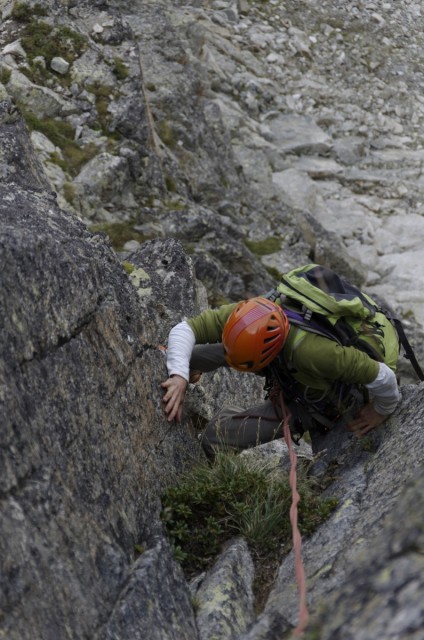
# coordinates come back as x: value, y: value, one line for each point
x: 236, y: 495
x: 120, y: 69
x: 62, y: 134
x: 23, y: 12
x: 41, y: 39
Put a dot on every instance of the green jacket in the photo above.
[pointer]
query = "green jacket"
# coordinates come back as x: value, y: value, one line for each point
x: 316, y: 363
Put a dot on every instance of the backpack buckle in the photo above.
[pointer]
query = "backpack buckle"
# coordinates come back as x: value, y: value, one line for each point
x: 307, y: 313
x: 272, y: 295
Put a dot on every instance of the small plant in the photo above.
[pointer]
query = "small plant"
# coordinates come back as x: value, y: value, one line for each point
x: 166, y: 134
x: 62, y: 134
x: 313, y: 632
x: 55, y: 158
x: 120, y: 69
x: 76, y: 157
x: 170, y: 183
x: 236, y: 495
x: 128, y: 267
x: 367, y: 444
x: 69, y: 192
x: 22, y: 12
x: 103, y: 96
x: 41, y: 39
x: 58, y: 131
x: 36, y: 72
x: 176, y: 205
x: 5, y: 75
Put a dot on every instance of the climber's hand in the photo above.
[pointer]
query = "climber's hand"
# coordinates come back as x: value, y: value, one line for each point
x: 175, y: 388
x: 366, y: 420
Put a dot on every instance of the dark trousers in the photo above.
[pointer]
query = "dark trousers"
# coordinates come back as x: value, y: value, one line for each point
x: 237, y: 428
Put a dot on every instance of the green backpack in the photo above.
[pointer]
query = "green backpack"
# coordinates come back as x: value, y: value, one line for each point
x: 318, y: 300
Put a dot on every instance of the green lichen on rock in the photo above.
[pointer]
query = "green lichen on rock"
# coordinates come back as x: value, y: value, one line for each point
x: 139, y: 277
x: 128, y: 267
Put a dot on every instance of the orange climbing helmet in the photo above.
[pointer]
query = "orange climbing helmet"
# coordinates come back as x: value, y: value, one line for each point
x: 254, y: 334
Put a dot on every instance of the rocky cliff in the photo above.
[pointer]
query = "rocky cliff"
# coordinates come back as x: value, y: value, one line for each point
x: 202, y: 133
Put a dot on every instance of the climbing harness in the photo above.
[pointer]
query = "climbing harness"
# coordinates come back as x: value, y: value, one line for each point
x: 324, y: 411
x: 297, y: 540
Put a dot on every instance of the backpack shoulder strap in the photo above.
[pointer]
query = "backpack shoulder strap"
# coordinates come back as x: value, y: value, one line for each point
x: 321, y: 328
x: 319, y: 277
x: 409, y: 353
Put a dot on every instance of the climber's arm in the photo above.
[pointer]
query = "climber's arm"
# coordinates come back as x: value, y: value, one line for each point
x: 385, y: 396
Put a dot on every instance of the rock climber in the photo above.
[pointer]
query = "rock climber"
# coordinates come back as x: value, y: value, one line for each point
x: 323, y: 384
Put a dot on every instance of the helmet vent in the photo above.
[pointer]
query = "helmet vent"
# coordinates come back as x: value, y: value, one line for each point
x: 254, y: 334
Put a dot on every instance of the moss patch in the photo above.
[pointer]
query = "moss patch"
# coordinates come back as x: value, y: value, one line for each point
x: 275, y: 273
x: 120, y: 69
x: 264, y: 247
x: 22, y: 12
x: 5, y: 75
x: 41, y: 39
x: 104, y: 95
x: 62, y: 134
x: 128, y: 267
x: 119, y: 233
x: 166, y: 134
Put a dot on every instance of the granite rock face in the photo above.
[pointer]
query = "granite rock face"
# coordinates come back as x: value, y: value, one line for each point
x: 154, y: 134
x: 85, y: 448
x: 363, y: 566
x: 260, y: 112
x: 183, y: 143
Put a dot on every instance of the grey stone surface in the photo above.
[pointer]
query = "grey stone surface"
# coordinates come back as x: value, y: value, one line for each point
x: 155, y: 603
x: 224, y: 597
x: 85, y: 448
x: 367, y: 554
x: 188, y: 107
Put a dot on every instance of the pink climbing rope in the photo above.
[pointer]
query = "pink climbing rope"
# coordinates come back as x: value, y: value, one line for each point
x: 297, y: 540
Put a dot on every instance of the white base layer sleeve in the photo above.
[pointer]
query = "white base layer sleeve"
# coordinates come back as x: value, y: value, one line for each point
x: 181, y: 341
x: 384, y: 390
